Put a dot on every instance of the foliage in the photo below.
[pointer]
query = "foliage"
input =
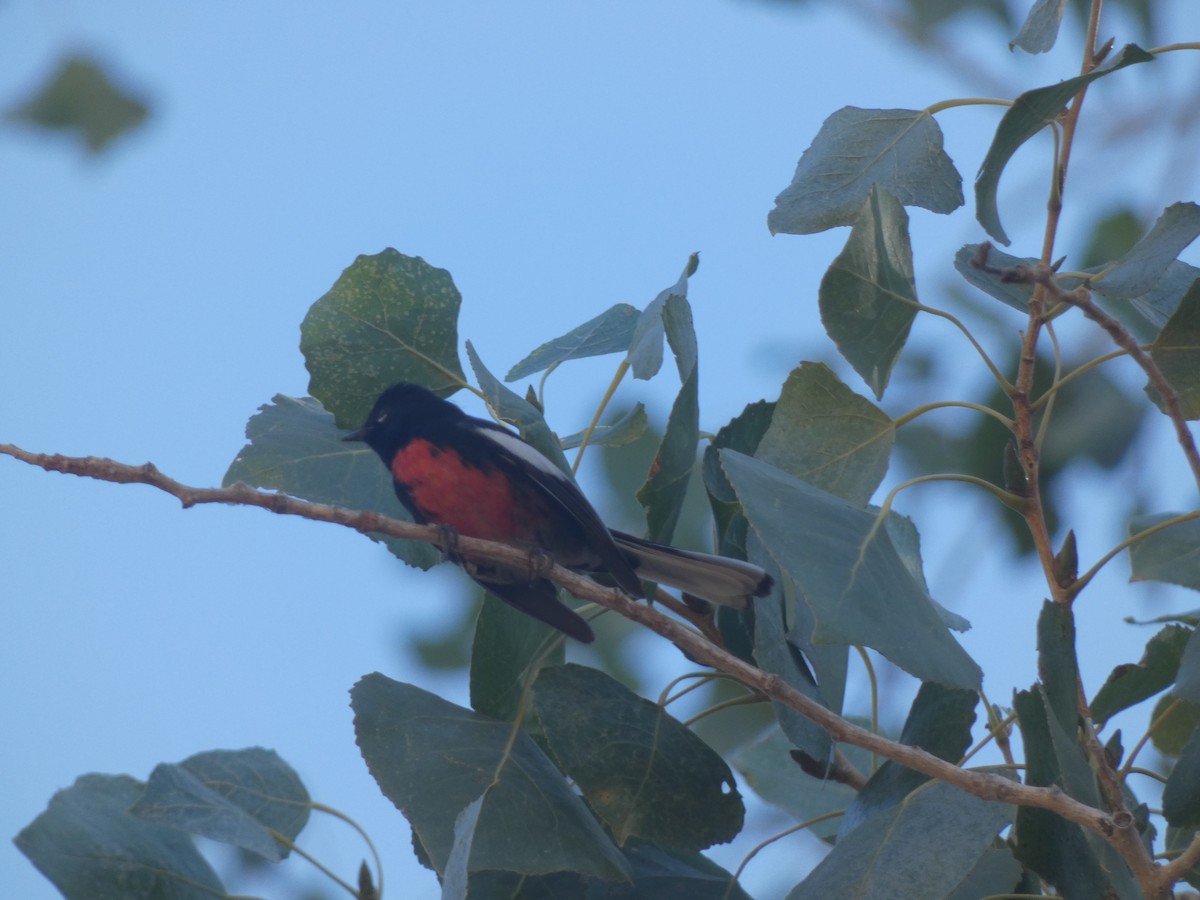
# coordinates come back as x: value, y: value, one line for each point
x: 561, y: 781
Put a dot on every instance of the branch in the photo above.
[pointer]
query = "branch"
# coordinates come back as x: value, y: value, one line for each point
x: 1119, y: 831
x: 1079, y: 297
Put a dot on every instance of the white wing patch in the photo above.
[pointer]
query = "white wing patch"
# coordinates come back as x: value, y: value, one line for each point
x: 516, y: 447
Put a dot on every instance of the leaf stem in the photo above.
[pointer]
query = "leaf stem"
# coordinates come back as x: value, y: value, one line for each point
x: 945, y: 404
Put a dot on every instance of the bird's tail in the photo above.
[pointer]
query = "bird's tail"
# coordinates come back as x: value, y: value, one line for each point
x: 726, y: 582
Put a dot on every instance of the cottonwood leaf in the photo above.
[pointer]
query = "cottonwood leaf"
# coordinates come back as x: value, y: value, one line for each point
x: 433, y: 759
x: 388, y: 318
x: 642, y: 772
x: 296, y: 449
x: 848, y: 571
x: 900, y: 150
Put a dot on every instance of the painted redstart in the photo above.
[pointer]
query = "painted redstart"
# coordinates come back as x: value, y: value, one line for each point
x: 483, y: 481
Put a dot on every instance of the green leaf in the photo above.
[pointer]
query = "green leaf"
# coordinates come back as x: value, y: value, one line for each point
x: 658, y: 874
x: 743, y: 434
x: 1187, y: 681
x: 642, y: 772
x: 868, y: 297
x: 1029, y: 114
x: 610, y: 332
x: 629, y: 428
x: 849, y: 572
x: 1159, y: 304
x: 81, y: 98
x: 645, y: 349
x: 1144, y: 266
x: 938, y: 722
x: 1060, y: 851
x: 666, y: 485
x: 768, y: 768
x: 994, y: 874
x: 827, y: 435
x: 241, y: 797
x: 433, y: 759
x: 1176, y: 350
x: 900, y: 150
x: 922, y: 847
x: 775, y: 654
x: 296, y: 449
x: 1011, y: 293
x: 1058, y: 667
x: 1040, y: 29
x: 508, y: 649
x: 1171, y: 555
x: 907, y: 542
x: 388, y: 318
x: 90, y: 848
x: 1181, y: 795
x: 829, y: 662
x: 515, y: 409
x: 1131, y: 683
x: 1173, y: 732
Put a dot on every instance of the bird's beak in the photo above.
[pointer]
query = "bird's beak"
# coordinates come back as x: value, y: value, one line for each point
x: 360, y: 435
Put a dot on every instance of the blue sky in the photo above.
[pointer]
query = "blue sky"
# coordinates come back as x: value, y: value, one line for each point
x: 555, y: 157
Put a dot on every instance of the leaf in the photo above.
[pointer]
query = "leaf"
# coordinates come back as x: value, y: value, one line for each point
x: 768, y: 768
x: 994, y: 874
x: 900, y: 150
x: 938, y: 722
x: 1011, y: 293
x: 1058, y: 667
x: 827, y: 435
x: 1144, y: 266
x: 829, y: 662
x: 743, y: 433
x: 1181, y: 795
x: 666, y: 485
x: 1159, y: 304
x: 1029, y: 114
x: 1180, y: 719
x: 848, y: 571
x: 388, y: 318
x: 1171, y: 555
x: 663, y: 874
x: 1187, y: 681
x: 1131, y: 683
x: 433, y: 759
x: 775, y: 654
x: 1040, y: 29
x: 508, y: 649
x: 515, y: 409
x: 922, y: 847
x: 240, y: 797
x: 1176, y: 351
x: 1060, y: 851
x: 610, y: 332
x: 868, y: 297
x: 90, y: 848
x: 629, y: 428
x: 658, y: 874
x: 296, y: 449
x: 645, y: 349
x: 642, y: 772
x: 81, y: 98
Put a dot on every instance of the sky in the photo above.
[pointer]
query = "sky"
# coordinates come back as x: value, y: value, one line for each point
x: 556, y: 158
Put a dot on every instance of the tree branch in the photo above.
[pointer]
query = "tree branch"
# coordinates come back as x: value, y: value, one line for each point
x: 980, y: 784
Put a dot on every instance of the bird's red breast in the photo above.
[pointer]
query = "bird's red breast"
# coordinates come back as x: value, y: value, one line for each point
x: 447, y: 491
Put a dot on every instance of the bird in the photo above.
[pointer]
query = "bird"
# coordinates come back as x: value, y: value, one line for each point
x: 477, y: 478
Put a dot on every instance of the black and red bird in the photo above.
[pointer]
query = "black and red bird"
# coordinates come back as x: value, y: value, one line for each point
x: 485, y: 482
